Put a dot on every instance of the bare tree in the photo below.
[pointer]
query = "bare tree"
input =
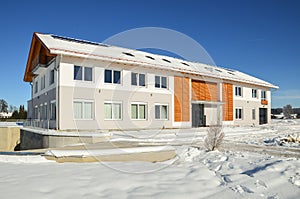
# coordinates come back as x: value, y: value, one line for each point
x: 3, y: 106
x: 214, y: 137
x: 287, y: 111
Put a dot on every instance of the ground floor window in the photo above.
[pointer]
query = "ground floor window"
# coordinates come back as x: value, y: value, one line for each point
x: 239, y: 113
x: 83, y: 109
x: 253, y: 114
x: 138, y: 111
x: 53, y: 110
x: 161, y: 111
x: 112, y: 110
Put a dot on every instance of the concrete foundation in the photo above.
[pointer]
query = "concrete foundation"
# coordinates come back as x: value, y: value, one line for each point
x: 9, y: 138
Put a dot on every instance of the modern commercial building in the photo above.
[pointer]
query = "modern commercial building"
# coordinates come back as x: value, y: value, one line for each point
x: 84, y: 85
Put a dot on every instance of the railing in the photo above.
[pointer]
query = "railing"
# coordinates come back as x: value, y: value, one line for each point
x: 45, y: 124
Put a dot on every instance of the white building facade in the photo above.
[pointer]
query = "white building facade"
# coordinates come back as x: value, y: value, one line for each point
x: 89, y: 86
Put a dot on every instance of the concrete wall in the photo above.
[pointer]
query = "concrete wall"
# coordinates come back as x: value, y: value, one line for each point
x: 9, y: 138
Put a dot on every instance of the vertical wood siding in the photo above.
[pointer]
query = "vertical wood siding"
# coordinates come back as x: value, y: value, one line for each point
x: 227, y: 97
x: 204, y: 91
x: 181, y: 99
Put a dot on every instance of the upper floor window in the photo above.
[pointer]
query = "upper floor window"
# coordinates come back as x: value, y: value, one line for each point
x: 238, y: 91
x: 263, y: 95
x: 43, y: 82
x: 112, y: 76
x: 138, y: 79
x: 83, y: 73
x: 254, y: 93
x: 36, y: 87
x: 161, y: 82
x: 51, y: 77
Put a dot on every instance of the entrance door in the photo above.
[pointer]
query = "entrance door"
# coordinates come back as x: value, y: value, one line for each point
x: 198, y: 117
x: 263, y: 116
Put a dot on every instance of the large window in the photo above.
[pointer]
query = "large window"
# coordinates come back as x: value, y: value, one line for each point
x: 83, y: 73
x: 161, y: 82
x: 112, y: 76
x: 138, y: 79
x: 161, y: 112
x: 112, y: 111
x: 263, y: 95
x: 138, y: 111
x: 239, y: 113
x: 254, y: 93
x: 52, y: 110
x: 51, y: 77
x: 238, y: 91
x: 83, y: 109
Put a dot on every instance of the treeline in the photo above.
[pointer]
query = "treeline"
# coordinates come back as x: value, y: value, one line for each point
x: 20, y: 113
x: 288, y: 108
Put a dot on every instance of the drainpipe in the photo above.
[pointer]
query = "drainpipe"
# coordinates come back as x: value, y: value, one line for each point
x: 31, y: 115
x: 57, y: 92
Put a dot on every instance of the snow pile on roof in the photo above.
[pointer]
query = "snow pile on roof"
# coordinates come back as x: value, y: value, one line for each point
x: 86, y: 49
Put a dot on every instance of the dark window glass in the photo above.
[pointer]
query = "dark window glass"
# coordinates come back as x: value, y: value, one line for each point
x: 163, y: 82
x: 142, y: 79
x: 157, y: 81
x: 88, y: 74
x: 134, y: 79
x: 157, y: 112
x: 77, y: 73
x: 51, y: 80
x: 117, y: 77
x: 108, y: 76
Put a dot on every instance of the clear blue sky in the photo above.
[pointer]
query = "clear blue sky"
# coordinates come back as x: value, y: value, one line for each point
x: 259, y: 37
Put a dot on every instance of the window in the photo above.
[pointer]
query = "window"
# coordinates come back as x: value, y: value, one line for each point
x: 53, y: 110
x: 83, y: 73
x: 41, y: 112
x: 254, y: 93
x: 161, y: 112
x: 112, y: 76
x: 36, y: 112
x: 239, y: 113
x: 238, y: 91
x: 45, y: 111
x: 160, y: 82
x: 263, y: 95
x: 112, y: 111
x: 138, y: 79
x: 43, y: 82
x: 253, y: 114
x: 51, y: 77
x: 138, y: 111
x: 83, y: 110
x: 36, y: 86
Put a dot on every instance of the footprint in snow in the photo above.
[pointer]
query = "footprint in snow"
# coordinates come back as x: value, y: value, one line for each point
x: 259, y: 183
x: 230, y: 165
x: 241, y: 189
x: 295, y: 180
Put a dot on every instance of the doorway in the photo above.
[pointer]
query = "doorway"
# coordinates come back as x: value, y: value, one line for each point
x: 263, y: 116
x: 198, y: 117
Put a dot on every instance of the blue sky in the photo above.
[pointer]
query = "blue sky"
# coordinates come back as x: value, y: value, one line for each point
x: 261, y: 38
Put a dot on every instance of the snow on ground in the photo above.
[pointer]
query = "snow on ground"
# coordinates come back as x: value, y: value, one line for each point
x: 231, y: 173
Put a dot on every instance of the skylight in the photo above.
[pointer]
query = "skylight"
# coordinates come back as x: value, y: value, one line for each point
x: 185, y: 64
x: 230, y: 73
x: 149, y: 57
x: 218, y: 70
x: 166, y: 60
x: 78, y: 40
x: 128, y: 54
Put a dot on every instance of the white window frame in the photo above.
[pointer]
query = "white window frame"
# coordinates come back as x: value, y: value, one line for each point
x: 138, y: 79
x: 112, y: 111
x: 83, y: 109
x: 240, y: 116
x: 238, y: 94
x: 160, y: 82
x: 43, y: 82
x: 263, y: 97
x: 160, y: 109
x: 254, y: 91
x: 112, y: 76
x: 138, y: 112
x: 83, y: 74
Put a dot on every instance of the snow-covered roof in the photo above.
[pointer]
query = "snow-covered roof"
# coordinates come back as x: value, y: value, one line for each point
x: 58, y: 45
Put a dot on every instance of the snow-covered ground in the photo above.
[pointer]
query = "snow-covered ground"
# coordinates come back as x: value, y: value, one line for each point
x: 245, y: 167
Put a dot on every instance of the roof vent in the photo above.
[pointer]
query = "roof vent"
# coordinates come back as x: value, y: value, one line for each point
x: 128, y: 54
x: 185, y: 64
x: 149, y: 57
x: 166, y: 60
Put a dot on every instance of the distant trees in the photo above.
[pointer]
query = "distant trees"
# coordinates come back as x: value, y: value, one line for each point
x: 3, y: 106
x: 287, y: 111
x: 21, y: 114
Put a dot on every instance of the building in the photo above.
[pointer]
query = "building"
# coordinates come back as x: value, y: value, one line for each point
x: 5, y: 114
x: 84, y: 85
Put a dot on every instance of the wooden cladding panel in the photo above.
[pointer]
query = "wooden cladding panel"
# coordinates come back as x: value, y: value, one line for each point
x: 181, y: 99
x: 227, y: 98
x: 204, y: 91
